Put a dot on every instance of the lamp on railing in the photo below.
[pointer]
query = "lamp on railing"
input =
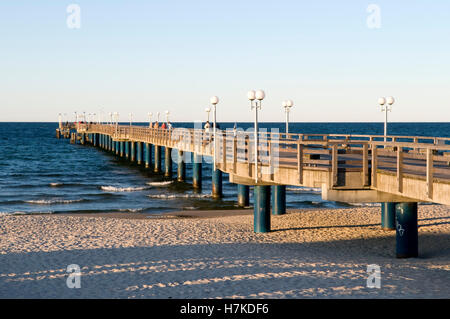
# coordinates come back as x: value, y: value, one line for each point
x: 214, y: 101
x: 84, y: 117
x: 116, y: 117
x: 60, y: 120
x: 157, y: 115
x: 255, y: 103
x: 386, y: 108
x: 110, y: 118
x: 167, y: 116
x: 150, y: 114
x: 208, y: 110
x: 131, y: 118
x: 287, y: 108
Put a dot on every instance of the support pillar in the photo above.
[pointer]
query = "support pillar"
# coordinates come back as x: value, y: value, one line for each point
x: 148, y: 155
x: 132, y: 151
x: 261, y: 219
x: 181, y: 170
x: 407, y: 236
x: 139, y: 152
x: 217, y: 183
x: 83, y: 138
x: 168, y: 162
x: 157, y: 168
x: 279, y: 199
x: 122, y: 149
x: 94, y: 139
x: 197, y: 171
x: 388, y: 216
x: 127, y: 150
x: 113, y: 146
x: 243, y: 195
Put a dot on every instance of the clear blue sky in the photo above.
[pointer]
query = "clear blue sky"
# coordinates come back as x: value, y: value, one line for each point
x: 154, y: 55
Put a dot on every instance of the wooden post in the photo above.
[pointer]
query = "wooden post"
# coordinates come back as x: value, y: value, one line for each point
x: 334, y: 165
x: 300, y: 161
x: 365, y: 165
x: 271, y: 170
x: 235, y: 154
x: 430, y: 173
x: 224, y: 151
x: 399, y: 169
x: 374, y: 165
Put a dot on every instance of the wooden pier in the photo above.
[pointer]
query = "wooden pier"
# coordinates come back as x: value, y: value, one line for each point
x: 401, y: 170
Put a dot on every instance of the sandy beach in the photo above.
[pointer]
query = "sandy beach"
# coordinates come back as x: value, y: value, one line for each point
x: 309, y: 253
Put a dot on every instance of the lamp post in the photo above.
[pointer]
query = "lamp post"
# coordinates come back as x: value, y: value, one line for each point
x: 255, y: 103
x: 157, y: 114
x: 287, y: 108
x: 207, y: 110
x: 116, y: 118
x: 386, y: 105
x: 110, y: 118
x: 150, y: 114
x: 60, y: 120
x: 167, y: 116
x: 131, y: 118
x: 214, y: 100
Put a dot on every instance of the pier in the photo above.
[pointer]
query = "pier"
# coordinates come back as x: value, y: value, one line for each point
x: 397, y: 171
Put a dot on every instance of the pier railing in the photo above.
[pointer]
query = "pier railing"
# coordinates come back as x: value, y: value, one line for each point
x: 367, y: 159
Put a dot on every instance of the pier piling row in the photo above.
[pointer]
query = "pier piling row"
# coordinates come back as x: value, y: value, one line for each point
x: 396, y: 171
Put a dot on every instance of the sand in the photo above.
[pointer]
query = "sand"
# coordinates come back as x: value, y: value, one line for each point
x: 309, y: 254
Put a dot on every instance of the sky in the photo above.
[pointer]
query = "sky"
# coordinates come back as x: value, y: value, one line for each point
x: 334, y: 59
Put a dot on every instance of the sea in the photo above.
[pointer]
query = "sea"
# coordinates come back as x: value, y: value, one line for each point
x: 40, y: 174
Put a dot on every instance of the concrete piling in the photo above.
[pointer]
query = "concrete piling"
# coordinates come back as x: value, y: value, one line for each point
x: 148, y: 155
x: 278, y: 199
x: 197, y: 171
x: 157, y: 167
x: 261, y: 210
x: 168, y: 162
x: 181, y: 169
x: 407, y: 236
x: 243, y: 195
x: 217, y: 184
x: 132, y: 151
x: 388, y: 216
x: 139, y: 157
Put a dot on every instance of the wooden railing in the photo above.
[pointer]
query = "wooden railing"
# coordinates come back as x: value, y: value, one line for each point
x: 421, y: 157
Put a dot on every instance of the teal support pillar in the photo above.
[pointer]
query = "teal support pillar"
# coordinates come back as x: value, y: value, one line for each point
x: 168, y: 162
x: 407, y: 236
x: 127, y: 150
x: 94, y: 139
x: 122, y: 149
x: 101, y: 137
x: 217, y: 184
x: 243, y: 195
x: 148, y: 155
x: 261, y: 218
x: 278, y: 199
x: 113, y: 146
x: 132, y: 151
x: 83, y: 138
x: 139, y: 153
x: 181, y: 170
x: 117, y: 148
x: 197, y: 171
x: 110, y: 143
x: 388, y: 216
x: 157, y: 167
